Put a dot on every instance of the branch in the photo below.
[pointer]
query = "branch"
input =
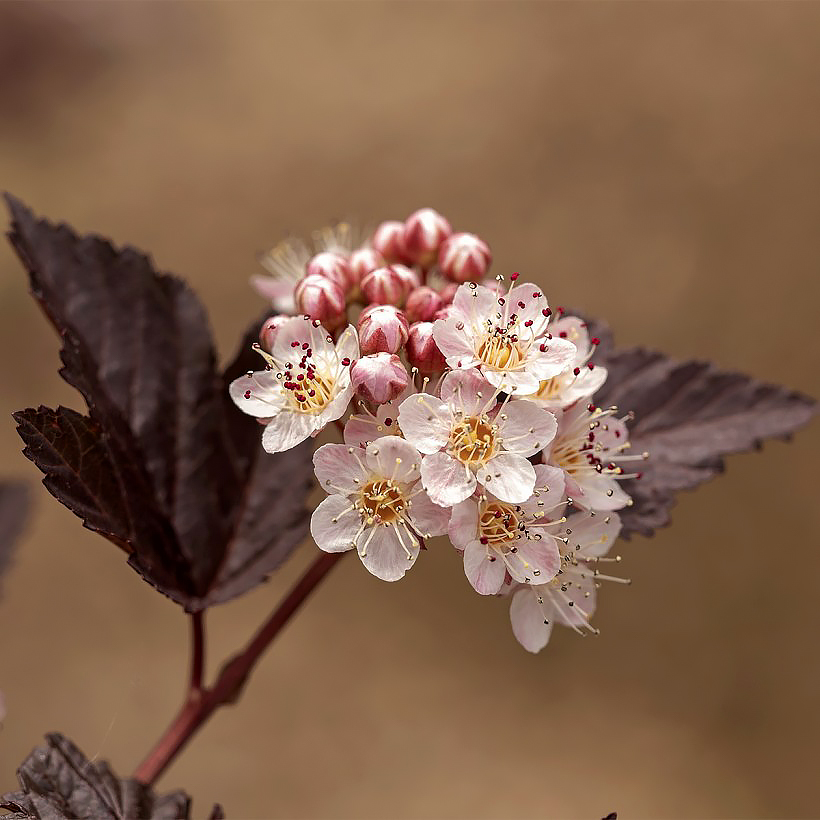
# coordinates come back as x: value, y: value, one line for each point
x: 201, y: 702
x: 197, y: 650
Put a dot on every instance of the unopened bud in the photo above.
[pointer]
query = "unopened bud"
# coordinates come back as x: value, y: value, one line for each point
x: 382, y: 329
x: 422, y: 304
x: 388, y: 240
x: 448, y: 293
x: 464, y: 258
x: 268, y: 331
x: 389, y: 286
x: 379, y: 378
x: 422, y: 351
x: 334, y: 266
x: 424, y: 231
x: 321, y: 298
x: 364, y: 260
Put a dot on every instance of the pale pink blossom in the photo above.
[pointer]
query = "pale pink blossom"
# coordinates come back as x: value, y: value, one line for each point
x: 463, y: 257
x: 378, y: 506
x: 499, y: 539
x: 306, y: 383
x: 467, y: 439
x: 570, y: 597
x: 366, y: 425
x: 503, y: 336
x: 379, y: 378
x: 268, y: 331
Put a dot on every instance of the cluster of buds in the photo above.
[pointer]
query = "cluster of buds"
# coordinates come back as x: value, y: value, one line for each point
x: 466, y: 407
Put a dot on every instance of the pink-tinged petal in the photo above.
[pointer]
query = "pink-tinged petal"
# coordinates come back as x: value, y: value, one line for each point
x: 446, y: 480
x: 339, y: 470
x: 286, y: 430
x: 535, y: 561
x: 484, y: 569
x: 529, y: 624
x: 584, y: 385
x: 573, y: 329
x: 518, y: 383
x: 453, y: 341
x: 463, y: 526
x: 525, y: 427
x: 334, y: 524
x: 278, y: 291
x: 549, y: 481
x: 259, y: 394
x: 348, y: 345
x: 467, y: 391
x: 428, y: 519
x: 362, y: 429
x: 337, y: 406
x: 575, y: 606
x: 528, y: 303
x: 557, y: 355
x: 425, y: 422
x: 393, y: 457
x: 599, y: 492
x: 385, y: 555
x: 509, y: 477
x: 593, y: 535
x: 290, y: 338
x: 612, y: 433
x: 472, y: 304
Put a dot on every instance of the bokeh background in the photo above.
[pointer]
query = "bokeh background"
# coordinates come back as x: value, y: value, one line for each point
x: 654, y: 164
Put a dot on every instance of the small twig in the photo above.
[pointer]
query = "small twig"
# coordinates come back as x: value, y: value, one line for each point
x: 197, y: 651
x: 202, y: 702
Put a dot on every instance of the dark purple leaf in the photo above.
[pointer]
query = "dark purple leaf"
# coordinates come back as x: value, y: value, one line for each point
x: 58, y: 781
x: 163, y: 465
x: 13, y: 509
x: 687, y: 417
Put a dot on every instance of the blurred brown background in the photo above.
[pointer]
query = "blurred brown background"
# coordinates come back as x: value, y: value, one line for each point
x: 656, y: 164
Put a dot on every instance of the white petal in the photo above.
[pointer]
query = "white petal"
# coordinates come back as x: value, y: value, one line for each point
x: 361, y: 429
x: 576, y: 605
x: 337, y: 406
x: 334, y: 524
x: 535, y: 561
x: 525, y: 427
x: 593, y: 535
x: 446, y: 480
x: 509, y: 477
x: 573, y: 329
x: 528, y: 620
x: 466, y: 390
x: 428, y: 519
x: 425, y: 422
x: 600, y: 492
x: 454, y: 343
x: 558, y: 354
x: 583, y: 385
x: 385, y: 557
x: 549, y: 480
x: 348, y: 345
x: 393, y: 457
x: 298, y: 330
x: 532, y: 310
x: 484, y: 570
x: 473, y: 304
x: 339, y: 470
x: 463, y: 526
x: 518, y: 383
x: 265, y: 396
x: 286, y: 430
x: 278, y: 291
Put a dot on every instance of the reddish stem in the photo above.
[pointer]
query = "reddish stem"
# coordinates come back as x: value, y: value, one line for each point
x: 201, y: 702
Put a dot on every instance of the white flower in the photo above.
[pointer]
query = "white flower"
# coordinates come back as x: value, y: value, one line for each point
x: 580, y: 378
x: 588, y: 445
x: 306, y: 383
x: 378, y: 507
x: 569, y: 598
x: 504, y: 336
x: 467, y: 439
x: 286, y: 263
x: 500, y: 539
x: 363, y: 427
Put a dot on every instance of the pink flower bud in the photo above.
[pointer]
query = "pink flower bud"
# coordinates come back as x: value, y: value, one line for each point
x: 388, y: 240
x: 334, y: 266
x: 382, y: 329
x: 389, y: 286
x: 321, y: 298
x: 269, y: 329
x: 464, y: 258
x: 379, y: 378
x: 424, y: 231
x: 364, y: 260
x: 422, y: 304
x: 448, y: 293
x: 422, y: 351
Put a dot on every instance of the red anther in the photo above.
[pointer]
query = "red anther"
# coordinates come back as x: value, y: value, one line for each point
x: 484, y: 540
x: 543, y: 348
x: 590, y: 365
x: 546, y: 312
x: 300, y: 377
x: 528, y: 323
x: 537, y: 294
x: 591, y: 408
x: 576, y: 370
x: 294, y: 344
x: 513, y: 278
x: 305, y: 345
x: 617, y: 434
x: 497, y: 514
x: 563, y: 334
x: 388, y: 422
x: 521, y: 305
x: 247, y: 394
x: 595, y: 340
x: 640, y: 475
x: 311, y: 392
x: 502, y: 300
x: 345, y: 361
x: 301, y: 397
x: 591, y: 436
x: 560, y: 311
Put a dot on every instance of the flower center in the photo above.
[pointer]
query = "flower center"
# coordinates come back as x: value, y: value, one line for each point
x: 472, y: 441
x: 383, y: 500
x: 501, y: 351
x: 309, y: 392
x: 498, y: 524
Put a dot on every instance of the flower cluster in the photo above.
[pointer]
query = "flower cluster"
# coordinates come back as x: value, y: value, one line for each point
x: 468, y: 412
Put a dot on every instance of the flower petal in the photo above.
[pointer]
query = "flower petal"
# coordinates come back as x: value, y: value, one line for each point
x: 290, y: 338
x: 348, y: 344
x: 463, y: 527
x: 535, y: 561
x: 339, y: 469
x: 519, y: 382
x: 593, y: 535
x: 508, y: 476
x: 393, y: 457
x: 484, y: 570
x: 557, y: 355
x: 446, y: 480
x: 534, y: 304
x: 525, y: 427
x: 599, y: 492
x: 467, y: 391
x: 425, y: 422
x: 384, y: 556
x: 455, y: 345
x: 427, y: 518
x: 334, y: 524
x: 286, y: 430
x: 529, y: 624
x: 472, y: 304
x: 258, y: 394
